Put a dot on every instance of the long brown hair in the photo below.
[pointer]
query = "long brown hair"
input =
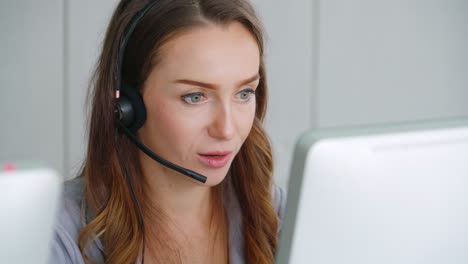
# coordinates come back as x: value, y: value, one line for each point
x: 115, y: 217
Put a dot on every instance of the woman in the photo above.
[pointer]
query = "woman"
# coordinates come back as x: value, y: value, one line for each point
x: 197, y: 67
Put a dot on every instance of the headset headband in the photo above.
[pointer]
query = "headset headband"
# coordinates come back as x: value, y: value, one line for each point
x: 124, y: 43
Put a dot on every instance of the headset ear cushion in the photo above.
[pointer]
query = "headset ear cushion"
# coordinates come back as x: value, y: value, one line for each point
x: 131, y: 95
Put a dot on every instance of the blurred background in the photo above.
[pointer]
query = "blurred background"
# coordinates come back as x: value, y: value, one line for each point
x: 330, y: 63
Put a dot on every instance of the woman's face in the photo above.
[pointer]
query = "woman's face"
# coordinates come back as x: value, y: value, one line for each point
x: 200, y: 98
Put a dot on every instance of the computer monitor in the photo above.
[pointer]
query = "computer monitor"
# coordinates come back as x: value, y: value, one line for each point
x: 379, y: 195
x: 28, y: 205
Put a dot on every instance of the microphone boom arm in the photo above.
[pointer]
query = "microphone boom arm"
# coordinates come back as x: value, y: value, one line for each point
x: 151, y: 154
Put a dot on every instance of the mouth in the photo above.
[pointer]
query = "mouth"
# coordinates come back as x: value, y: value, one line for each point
x: 216, y: 160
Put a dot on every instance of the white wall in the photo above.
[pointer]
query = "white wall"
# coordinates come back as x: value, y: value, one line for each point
x: 330, y: 63
x: 392, y: 61
x: 32, y: 84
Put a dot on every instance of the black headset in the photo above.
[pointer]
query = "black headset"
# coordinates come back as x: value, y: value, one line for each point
x: 130, y: 111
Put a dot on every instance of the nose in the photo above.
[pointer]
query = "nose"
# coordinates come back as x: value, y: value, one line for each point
x: 222, y: 126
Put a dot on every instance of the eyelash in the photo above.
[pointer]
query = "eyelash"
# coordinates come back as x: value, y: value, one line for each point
x: 188, y: 96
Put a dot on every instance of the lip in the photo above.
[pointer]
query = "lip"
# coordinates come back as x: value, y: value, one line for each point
x: 215, y: 159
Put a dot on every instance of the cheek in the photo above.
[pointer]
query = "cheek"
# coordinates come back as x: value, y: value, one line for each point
x: 245, y: 121
x: 164, y: 121
x: 171, y: 124
x: 157, y: 124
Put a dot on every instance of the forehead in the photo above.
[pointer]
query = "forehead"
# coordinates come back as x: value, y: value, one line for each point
x: 210, y: 52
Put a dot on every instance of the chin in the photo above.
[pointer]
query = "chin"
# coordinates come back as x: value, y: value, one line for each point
x: 214, y: 178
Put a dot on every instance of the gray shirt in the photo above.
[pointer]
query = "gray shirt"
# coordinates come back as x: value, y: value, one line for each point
x: 72, y: 218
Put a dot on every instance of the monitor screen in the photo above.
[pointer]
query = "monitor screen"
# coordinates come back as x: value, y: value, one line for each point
x: 28, y: 201
x: 385, y: 195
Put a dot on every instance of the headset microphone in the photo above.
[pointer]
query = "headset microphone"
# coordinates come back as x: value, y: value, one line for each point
x: 130, y: 111
x: 130, y: 115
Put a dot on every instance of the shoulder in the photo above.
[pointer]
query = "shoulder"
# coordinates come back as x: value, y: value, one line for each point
x: 68, y: 224
x: 69, y: 215
x: 72, y: 197
x: 279, y: 202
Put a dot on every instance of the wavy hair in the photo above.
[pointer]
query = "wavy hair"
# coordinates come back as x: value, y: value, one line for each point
x: 115, y: 217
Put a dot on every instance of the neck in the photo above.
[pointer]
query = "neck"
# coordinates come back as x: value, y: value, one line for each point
x: 181, y: 199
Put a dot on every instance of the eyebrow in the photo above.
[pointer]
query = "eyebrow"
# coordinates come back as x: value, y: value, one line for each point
x: 214, y: 86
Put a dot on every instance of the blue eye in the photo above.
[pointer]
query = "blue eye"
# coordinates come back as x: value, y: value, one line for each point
x: 246, y: 94
x: 193, y: 98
